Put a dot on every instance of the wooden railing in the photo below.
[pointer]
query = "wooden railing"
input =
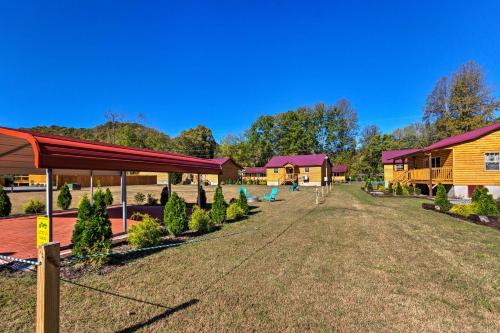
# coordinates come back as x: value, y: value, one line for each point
x: 444, y: 174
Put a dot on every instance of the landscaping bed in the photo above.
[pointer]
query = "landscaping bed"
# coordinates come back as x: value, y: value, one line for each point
x: 490, y: 221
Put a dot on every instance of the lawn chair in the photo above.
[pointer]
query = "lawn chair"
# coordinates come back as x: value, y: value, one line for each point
x: 271, y: 196
x: 294, y: 187
x: 245, y: 192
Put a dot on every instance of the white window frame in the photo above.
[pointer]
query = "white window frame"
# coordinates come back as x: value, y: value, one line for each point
x: 399, y: 167
x: 275, y: 170
x: 306, y: 170
x: 496, y: 160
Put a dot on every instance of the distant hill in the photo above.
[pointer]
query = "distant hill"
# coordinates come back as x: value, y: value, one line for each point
x: 121, y: 133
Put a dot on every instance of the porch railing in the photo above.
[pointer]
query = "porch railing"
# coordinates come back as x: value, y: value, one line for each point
x: 443, y: 174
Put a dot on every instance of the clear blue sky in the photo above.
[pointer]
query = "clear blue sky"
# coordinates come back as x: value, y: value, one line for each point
x: 222, y: 64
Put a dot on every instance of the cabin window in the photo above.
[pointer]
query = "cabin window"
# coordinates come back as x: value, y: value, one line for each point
x: 492, y: 161
x: 306, y: 170
x: 275, y: 170
x: 399, y: 167
x: 436, y: 162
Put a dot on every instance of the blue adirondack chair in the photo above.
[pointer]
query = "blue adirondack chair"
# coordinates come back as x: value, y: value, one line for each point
x: 294, y: 187
x: 244, y: 190
x: 271, y: 196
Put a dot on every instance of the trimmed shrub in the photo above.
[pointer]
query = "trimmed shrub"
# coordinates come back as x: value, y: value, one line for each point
x: 417, y: 191
x: 381, y: 188
x: 476, y: 194
x: 369, y: 185
x: 498, y: 204
x: 399, y: 189
x: 487, y: 205
x: 34, y: 207
x: 218, y: 211
x: 139, y: 198
x: 203, y: 198
x: 390, y: 188
x: 405, y: 191
x: 465, y: 209
x: 234, y: 212
x: 164, y: 196
x: 151, y: 200
x: 145, y: 233
x: 175, y: 215
x: 243, y: 203
x: 441, y: 199
x: 5, y: 204
x: 199, y: 220
x: 64, y: 198
x: 108, y: 197
x: 84, y: 213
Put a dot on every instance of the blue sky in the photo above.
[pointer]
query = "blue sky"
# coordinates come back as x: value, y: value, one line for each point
x: 224, y: 63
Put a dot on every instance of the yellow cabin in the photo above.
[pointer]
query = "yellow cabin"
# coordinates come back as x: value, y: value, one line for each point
x: 339, y: 173
x: 461, y: 163
x: 307, y: 170
x: 254, y: 174
x: 391, y: 166
x: 231, y: 172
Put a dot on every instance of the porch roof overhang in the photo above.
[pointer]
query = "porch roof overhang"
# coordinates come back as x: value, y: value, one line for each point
x: 25, y: 152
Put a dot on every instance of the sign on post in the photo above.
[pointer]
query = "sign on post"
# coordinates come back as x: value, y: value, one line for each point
x: 42, y: 230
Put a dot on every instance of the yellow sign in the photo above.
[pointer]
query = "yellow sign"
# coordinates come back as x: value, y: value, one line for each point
x: 42, y: 230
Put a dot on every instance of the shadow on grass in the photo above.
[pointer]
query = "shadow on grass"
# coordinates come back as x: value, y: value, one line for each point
x: 168, y: 310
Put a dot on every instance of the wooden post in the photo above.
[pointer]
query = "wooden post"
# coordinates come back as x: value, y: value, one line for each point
x: 430, y: 174
x: 317, y: 196
x: 322, y: 192
x: 47, y: 294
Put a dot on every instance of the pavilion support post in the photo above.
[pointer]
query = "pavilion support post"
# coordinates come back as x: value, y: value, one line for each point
x: 48, y: 200
x: 91, y: 187
x: 199, y: 190
x: 169, y: 184
x: 48, y: 294
x: 124, y: 200
x: 430, y: 174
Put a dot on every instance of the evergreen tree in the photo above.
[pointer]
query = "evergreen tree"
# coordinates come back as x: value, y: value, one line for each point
x: 175, y: 215
x: 243, y: 203
x: 441, y: 199
x: 5, y: 204
x: 218, y: 211
x: 476, y: 195
x: 64, y: 198
x: 487, y: 205
x: 108, y: 197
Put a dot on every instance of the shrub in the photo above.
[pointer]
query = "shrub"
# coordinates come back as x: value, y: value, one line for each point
x: 108, y: 197
x: 145, y: 233
x: 390, y: 188
x: 203, y: 198
x: 417, y: 191
x: 441, y: 199
x: 369, y: 185
x: 175, y: 178
x: 151, y: 200
x: 498, y: 204
x: 399, y: 189
x: 465, y: 209
x: 5, y: 204
x: 199, y: 220
x: 139, y: 198
x: 175, y: 215
x: 476, y: 194
x: 64, y: 198
x: 405, y: 191
x: 243, y: 203
x: 164, y: 196
x: 487, y: 205
x: 84, y: 214
x: 137, y: 216
x: 218, y: 211
x: 34, y: 207
x: 234, y: 212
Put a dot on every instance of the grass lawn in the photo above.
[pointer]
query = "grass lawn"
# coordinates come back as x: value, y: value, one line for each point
x: 353, y: 263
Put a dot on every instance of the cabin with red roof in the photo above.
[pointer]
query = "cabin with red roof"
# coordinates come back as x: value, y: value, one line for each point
x: 391, y: 166
x: 461, y: 163
x: 254, y: 174
x: 231, y: 173
x: 339, y: 173
x: 306, y: 170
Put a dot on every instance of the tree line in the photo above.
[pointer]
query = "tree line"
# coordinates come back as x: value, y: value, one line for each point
x: 458, y: 103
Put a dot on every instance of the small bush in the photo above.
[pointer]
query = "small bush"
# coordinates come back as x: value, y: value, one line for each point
x: 108, y: 197
x: 487, y: 205
x: 234, y: 212
x: 218, y: 211
x: 417, y: 191
x: 203, y: 198
x: 498, y: 204
x: 406, y: 191
x: 139, y: 198
x: 399, y: 189
x: 243, y: 203
x: 34, y: 207
x: 84, y: 214
x: 390, y: 188
x: 465, y: 209
x: 164, y: 196
x: 175, y: 178
x: 137, y: 216
x: 441, y: 199
x: 476, y: 194
x: 369, y: 185
x: 175, y: 215
x: 199, y: 220
x: 151, y: 200
x: 64, y: 198
x: 381, y: 188
x: 145, y: 233
x: 5, y: 204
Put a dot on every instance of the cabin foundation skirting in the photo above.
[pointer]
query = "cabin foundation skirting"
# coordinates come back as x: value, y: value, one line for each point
x: 462, y: 191
x: 310, y: 184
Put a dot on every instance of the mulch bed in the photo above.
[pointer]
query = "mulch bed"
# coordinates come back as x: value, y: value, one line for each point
x: 380, y: 194
x: 489, y: 221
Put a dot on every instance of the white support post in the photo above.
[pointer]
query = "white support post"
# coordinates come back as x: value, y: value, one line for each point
x: 124, y: 200
x: 91, y: 187
x: 48, y: 200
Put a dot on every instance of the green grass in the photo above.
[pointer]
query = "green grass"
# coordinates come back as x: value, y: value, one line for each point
x: 353, y: 263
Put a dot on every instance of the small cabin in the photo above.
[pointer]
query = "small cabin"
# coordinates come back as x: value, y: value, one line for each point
x: 306, y: 170
x: 390, y: 166
x: 254, y: 174
x: 231, y: 173
x: 339, y: 173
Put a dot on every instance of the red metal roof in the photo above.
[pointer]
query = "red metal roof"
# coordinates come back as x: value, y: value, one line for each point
x: 389, y: 155
x: 297, y: 160
x: 60, y: 152
x: 339, y: 168
x: 464, y: 137
x: 255, y: 170
x: 223, y: 160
